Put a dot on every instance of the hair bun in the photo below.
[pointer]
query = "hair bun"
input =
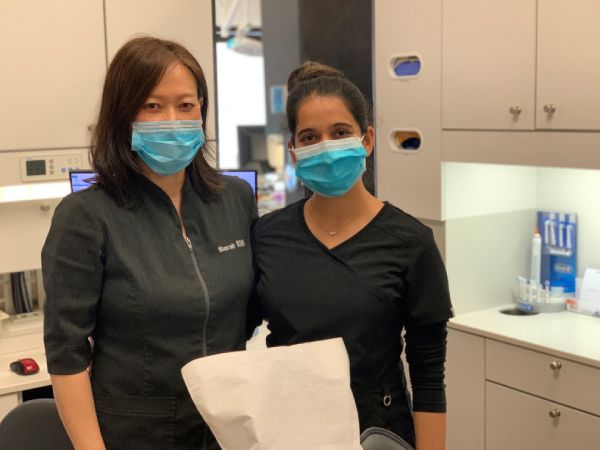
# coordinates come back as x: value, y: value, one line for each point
x: 310, y: 70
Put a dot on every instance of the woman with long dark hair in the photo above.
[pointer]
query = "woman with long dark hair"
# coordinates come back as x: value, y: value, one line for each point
x: 149, y: 268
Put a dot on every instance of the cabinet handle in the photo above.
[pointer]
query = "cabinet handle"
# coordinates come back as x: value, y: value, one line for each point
x: 556, y: 365
x: 554, y: 413
x: 45, y: 207
x: 550, y: 109
x: 515, y: 110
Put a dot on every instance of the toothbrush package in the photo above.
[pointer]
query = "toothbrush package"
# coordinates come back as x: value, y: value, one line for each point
x: 558, y: 231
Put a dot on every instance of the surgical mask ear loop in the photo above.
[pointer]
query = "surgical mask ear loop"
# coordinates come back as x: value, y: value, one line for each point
x: 362, y: 139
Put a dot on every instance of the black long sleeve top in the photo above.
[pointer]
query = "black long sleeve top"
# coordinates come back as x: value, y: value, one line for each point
x: 387, y: 278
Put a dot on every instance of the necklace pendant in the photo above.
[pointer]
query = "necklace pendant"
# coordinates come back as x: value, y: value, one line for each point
x: 332, y: 233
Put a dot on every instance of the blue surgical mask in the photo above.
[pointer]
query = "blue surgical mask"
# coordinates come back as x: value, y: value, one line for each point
x: 331, y: 168
x: 167, y: 146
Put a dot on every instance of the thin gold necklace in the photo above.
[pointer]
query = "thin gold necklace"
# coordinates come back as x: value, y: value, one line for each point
x: 329, y: 232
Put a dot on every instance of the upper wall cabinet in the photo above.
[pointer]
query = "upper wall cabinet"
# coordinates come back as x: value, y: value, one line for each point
x: 408, y: 108
x: 490, y: 69
x: 54, y: 57
x: 474, y: 99
x: 53, y: 64
x: 188, y: 22
x: 488, y: 62
x: 568, y: 92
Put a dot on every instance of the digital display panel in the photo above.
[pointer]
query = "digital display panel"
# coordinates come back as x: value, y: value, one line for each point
x: 35, y: 167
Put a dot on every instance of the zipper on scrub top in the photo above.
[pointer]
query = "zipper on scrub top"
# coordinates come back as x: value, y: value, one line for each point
x: 205, y: 289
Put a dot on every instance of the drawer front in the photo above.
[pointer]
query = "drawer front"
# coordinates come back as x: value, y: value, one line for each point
x: 519, y: 421
x: 544, y: 375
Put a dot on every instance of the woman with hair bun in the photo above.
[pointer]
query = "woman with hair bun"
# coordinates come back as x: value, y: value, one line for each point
x: 342, y: 263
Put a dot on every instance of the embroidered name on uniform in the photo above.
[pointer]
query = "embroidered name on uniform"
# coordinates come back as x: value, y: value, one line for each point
x: 237, y: 244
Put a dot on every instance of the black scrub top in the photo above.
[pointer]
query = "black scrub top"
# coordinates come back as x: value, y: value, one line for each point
x: 387, y: 277
x: 128, y: 279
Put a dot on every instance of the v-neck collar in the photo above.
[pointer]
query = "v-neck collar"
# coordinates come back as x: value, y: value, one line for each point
x: 352, y: 238
x: 156, y: 193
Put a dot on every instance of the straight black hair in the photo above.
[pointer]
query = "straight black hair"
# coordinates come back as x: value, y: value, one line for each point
x: 133, y: 73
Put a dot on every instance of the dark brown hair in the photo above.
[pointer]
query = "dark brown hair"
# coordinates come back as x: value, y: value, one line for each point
x: 133, y: 73
x: 312, y: 78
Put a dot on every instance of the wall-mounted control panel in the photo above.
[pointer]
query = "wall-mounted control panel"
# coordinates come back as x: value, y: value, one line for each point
x: 49, y: 167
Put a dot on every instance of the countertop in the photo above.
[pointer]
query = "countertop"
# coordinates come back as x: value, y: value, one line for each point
x: 22, y: 339
x: 566, y: 334
x: 10, y: 382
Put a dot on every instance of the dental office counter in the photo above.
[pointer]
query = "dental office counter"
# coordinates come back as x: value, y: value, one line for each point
x: 517, y: 382
x: 26, y: 340
x: 567, y: 334
x: 21, y: 340
x: 523, y: 382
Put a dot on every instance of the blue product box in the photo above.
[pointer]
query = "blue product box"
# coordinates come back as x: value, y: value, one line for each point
x: 559, y: 249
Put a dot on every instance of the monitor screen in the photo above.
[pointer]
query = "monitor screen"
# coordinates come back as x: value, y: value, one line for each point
x: 82, y: 179
x: 247, y: 175
x: 253, y: 149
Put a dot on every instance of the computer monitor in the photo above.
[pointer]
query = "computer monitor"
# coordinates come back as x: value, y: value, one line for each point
x: 247, y: 175
x: 252, y: 143
x: 82, y: 179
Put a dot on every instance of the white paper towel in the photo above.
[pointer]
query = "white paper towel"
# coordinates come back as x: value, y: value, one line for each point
x: 280, y: 398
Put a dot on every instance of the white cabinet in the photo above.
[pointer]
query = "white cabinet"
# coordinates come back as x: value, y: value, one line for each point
x: 465, y: 391
x: 568, y: 64
x: 480, y: 60
x: 488, y: 59
x: 53, y: 65
x: 544, y: 375
x: 521, y: 64
x: 8, y: 402
x: 519, y: 421
x: 54, y: 57
x: 502, y: 396
x: 411, y: 180
x: 189, y: 22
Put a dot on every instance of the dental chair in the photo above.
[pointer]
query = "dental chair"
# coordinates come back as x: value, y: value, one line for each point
x: 376, y: 438
x: 34, y: 424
